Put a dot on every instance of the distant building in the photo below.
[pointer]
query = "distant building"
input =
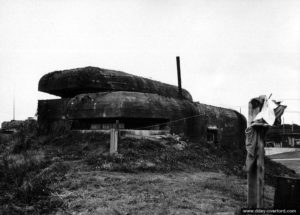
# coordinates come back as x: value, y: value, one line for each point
x: 11, y: 126
x: 284, y: 136
x: 15, y: 125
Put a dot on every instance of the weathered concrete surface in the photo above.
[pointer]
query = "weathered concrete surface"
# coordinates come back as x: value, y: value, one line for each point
x: 230, y: 124
x: 136, y: 110
x: 69, y: 83
x: 52, y: 109
x: 95, y: 97
x: 52, y: 115
x: 122, y: 104
x: 192, y: 119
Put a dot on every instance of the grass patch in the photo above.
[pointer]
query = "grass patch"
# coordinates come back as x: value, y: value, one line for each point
x: 147, y: 155
x: 26, y: 180
x: 35, y: 176
x: 163, y: 156
x: 27, y: 175
x: 226, y: 187
x: 101, y: 192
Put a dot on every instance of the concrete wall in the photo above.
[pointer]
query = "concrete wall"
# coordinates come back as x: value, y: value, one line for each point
x: 193, y: 120
x: 230, y: 124
x: 52, y: 116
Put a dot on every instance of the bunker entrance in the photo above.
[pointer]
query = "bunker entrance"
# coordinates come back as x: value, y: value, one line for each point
x: 123, y: 123
x: 212, y: 134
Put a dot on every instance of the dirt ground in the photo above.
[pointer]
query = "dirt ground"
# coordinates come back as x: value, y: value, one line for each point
x: 102, y: 192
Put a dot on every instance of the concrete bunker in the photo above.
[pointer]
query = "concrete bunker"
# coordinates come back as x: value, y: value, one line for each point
x: 95, y: 98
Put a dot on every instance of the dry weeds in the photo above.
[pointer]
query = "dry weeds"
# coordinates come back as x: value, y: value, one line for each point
x: 103, y: 192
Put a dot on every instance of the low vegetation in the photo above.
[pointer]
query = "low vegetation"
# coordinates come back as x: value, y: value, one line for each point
x: 170, y: 154
x: 74, y: 173
x: 27, y: 175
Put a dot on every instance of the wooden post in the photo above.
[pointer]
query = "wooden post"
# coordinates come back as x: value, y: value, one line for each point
x: 255, y: 175
x: 113, y: 141
x: 252, y: 173
x: 260, y: 168
x: 117, y: 125
x: 117, y: 128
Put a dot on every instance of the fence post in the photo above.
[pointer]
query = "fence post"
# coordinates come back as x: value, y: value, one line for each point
x: 252, y: 173
x: 260, y: 168
x: 255, y: 176
x: 113, y: 141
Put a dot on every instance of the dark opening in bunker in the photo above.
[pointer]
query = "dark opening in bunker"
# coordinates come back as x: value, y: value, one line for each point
x: 212, y: 134
x: 124, y: 123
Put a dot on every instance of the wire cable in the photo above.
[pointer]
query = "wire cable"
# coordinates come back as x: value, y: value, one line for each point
x: 166, y: 123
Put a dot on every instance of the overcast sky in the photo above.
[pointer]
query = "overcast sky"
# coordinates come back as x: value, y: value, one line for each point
x: 231, y: 50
